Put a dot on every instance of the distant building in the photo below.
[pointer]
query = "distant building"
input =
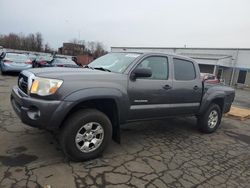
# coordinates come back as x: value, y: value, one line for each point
x: 76, y: 50
x: 84, y: 59
x: 230, y: 64
x: 71, y: 49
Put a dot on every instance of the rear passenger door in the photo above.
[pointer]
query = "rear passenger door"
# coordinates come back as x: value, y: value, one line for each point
x: 187, y: 87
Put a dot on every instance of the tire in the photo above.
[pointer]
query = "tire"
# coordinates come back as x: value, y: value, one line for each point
x: 85, y: 123
x: 210, y: 120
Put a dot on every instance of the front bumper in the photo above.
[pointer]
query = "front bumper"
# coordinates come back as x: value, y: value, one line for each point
x: 45, y: 114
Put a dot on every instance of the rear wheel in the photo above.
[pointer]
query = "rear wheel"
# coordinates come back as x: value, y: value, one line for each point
x: 85, y: 134
x: 210, y: 120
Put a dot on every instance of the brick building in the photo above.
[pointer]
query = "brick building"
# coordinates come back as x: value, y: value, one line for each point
x: 71, y: 49
x: 76, y: 50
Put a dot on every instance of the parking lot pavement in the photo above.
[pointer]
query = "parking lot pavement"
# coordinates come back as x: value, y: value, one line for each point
x: 167, y: 153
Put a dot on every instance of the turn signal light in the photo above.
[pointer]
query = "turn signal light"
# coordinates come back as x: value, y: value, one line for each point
x: 35, y: 86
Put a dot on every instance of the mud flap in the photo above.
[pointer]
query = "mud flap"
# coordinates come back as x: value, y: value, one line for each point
x: 117, y: 134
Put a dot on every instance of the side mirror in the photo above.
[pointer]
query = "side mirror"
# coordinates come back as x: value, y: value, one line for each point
x: 141, y: 73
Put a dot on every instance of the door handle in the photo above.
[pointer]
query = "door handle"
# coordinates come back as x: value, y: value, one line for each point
x: 167, y: 87
x: 195, y: 87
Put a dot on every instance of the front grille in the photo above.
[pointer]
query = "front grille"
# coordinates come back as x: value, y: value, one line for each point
x: 23, y: 83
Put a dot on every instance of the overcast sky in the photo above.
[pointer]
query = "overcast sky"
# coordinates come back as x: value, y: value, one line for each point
x: 154, y: 23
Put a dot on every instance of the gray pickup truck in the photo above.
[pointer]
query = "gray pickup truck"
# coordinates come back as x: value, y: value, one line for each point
x: 86, y: 106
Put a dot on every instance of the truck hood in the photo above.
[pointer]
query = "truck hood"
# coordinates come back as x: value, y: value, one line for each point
x: 76, y: 79
x: 68, y: 74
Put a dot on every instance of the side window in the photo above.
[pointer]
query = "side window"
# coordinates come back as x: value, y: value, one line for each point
x: 158, y: 66
x: 183, y: 69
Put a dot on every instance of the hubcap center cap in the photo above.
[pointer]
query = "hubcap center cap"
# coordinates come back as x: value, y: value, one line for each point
x: 89, y: 136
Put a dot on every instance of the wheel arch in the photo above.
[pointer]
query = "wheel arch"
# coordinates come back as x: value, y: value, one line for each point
x: 108, y: 106
x: 216, y: 98
x: 220, y: 102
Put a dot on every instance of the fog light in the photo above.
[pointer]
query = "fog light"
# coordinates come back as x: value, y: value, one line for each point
x: 33, y: 113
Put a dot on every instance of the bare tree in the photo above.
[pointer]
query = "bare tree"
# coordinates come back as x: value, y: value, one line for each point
x: 39, y: 41
x: 47, y: 48
x: 32, y: 42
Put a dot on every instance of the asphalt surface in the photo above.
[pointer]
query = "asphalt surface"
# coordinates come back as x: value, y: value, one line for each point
x: 167, y: 153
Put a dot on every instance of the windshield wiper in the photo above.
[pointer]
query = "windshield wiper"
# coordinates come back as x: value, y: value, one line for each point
x: 97, y: 68
x: 88, y: 67
x: 101, y: 68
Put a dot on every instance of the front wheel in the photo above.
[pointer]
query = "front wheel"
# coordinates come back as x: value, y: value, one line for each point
x: 210, y: 120
x: 85, y: 134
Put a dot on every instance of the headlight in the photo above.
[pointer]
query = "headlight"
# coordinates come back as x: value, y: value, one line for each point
x: 45, y: 86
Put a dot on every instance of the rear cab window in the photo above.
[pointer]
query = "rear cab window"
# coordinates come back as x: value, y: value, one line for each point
x: 184, y: 70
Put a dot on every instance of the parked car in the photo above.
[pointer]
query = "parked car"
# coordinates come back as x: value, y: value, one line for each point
x: 14, y: 62
x: 210, y: 78
x: 61, y: 62
x: 42, y: 61
x: 86, y: 106
x: 32, y: 57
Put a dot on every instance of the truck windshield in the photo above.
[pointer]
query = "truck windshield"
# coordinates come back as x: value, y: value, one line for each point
x: 115, y: 62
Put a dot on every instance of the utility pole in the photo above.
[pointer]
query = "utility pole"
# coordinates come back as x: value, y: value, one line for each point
x: 234, y: 67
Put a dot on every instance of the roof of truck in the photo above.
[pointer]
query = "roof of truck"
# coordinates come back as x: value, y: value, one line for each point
x: 158, y: 53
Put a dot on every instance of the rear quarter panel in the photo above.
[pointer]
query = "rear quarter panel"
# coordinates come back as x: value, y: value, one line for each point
x: 213, y: 92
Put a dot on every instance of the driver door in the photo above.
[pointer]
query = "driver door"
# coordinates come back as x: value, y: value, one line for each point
x: 151, y: 97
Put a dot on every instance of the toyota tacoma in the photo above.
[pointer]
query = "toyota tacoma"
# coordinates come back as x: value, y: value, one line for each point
x: 86, y: 106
